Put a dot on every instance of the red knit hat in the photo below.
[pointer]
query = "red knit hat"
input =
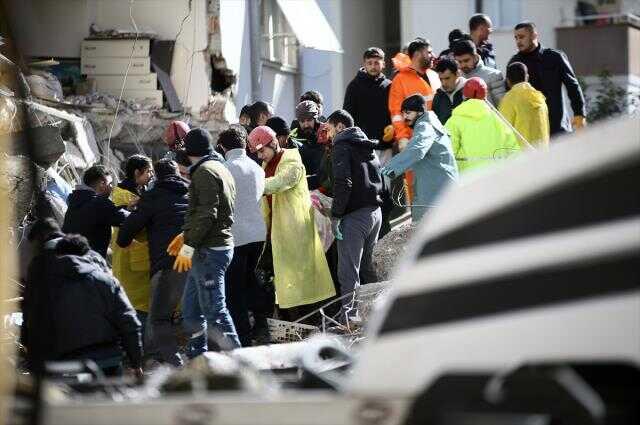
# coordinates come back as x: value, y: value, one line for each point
x: 175, y: 132
x: 475, y: 88
x: 260, y: 137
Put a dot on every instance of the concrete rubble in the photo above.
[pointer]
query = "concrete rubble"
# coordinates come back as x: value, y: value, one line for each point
x: 390, y: 249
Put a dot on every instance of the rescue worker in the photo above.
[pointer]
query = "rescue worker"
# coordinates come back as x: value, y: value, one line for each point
x: 302, y: 277
x: 131, y: 265
x: 414, y: 76
x: 429, y: 154
x: 525, y: 107
x: 478, y: 136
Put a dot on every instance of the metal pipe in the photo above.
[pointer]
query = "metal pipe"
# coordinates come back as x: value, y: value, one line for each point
x: 255, y: 42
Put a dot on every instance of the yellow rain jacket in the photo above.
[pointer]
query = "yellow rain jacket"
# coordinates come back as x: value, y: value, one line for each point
x: 131, y: 265
x: 301, y: 272
x: 526, y: 109
x: 478, y: 136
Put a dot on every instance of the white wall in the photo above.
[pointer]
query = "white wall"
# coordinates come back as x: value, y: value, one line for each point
x: 278, y: 88
x: 434, y: 19
x: 50, y: 27
x: 235, y: 40
x: 358, y: 24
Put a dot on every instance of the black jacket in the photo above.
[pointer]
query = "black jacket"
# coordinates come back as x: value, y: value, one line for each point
x: 367, y: 100
x: 549, y: 69
x: 92, y: 215
x: 356, y: 170
x: 81, y: 313
x: 311, y: 153
x: 161, y: 210
x: 442, y: 104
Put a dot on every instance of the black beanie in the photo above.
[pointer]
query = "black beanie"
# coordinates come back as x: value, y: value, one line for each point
x: 197, y: 142
x: 278, y: 125
x: 415, y: 102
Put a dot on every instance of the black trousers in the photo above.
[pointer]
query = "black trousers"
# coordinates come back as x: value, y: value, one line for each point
x: 243, y: 291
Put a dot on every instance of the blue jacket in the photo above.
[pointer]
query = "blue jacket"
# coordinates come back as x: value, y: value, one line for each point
x: 430, y: 156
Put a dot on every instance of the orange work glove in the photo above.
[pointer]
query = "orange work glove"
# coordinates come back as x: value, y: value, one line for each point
x: 578, y: 122
x: 176, y: 244
x: 183, y: 261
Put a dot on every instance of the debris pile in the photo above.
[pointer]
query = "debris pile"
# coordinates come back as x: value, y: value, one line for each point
x: 391, y: 248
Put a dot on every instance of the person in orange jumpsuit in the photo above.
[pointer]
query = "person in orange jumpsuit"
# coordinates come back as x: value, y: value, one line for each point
x: 414, y: 76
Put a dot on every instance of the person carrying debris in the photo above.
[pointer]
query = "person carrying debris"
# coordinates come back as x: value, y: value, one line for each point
x: 205, y: 248
x: 131, y: 264
x: 302, y: 276
x: 356, y: 214
x: 478, y: 135
x: 429, y: 154
x: 91, y: 213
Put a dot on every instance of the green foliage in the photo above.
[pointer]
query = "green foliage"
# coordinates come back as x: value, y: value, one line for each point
x: 609, y: 100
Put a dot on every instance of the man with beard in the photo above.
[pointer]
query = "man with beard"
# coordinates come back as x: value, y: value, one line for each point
x: 311, y: 151
x: 480, y: 27
x: 414, y: 76
x: 549, y: 69
x: 472, y: 65
x: 429, y: 154
x: 367, y: 95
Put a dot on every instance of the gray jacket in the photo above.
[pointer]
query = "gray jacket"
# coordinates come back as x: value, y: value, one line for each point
x: 248, y: 222
x: 494, y: 79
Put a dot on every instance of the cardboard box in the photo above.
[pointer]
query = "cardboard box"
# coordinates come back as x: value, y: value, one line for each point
x: 114, y: 48
x: 134, y: 82
x: 153, y: 97
x: 115, y: 66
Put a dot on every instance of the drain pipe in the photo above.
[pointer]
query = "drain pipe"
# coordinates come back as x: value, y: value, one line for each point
x: 255, y: 42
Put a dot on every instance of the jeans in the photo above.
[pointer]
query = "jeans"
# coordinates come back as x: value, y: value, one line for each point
x: 360, y: 230
x: 167, y: 287
x: 241, y: 287
x: 204, y: 306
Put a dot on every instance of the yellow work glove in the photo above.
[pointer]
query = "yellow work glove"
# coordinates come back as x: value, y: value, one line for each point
x: 578, y: 122
x: 176, y: 244
x: 388, y: 133
x: 183, y: 259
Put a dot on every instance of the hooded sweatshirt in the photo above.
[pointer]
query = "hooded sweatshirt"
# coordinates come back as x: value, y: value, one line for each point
x: 92, y: 215
x: 444, y: 102
x: 478, y: 136
x: 366, y: 99
x: 526, y: 109
x: 87, y: 314
x: 358, y: 182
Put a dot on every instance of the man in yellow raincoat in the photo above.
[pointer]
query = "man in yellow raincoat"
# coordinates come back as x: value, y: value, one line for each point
x: 525, y: 107
x: 302, y: 275
x: 478, y: 135
x: 131, y: 264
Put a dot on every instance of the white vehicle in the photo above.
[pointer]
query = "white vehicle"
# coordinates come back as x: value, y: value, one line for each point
x: 519, y: 304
